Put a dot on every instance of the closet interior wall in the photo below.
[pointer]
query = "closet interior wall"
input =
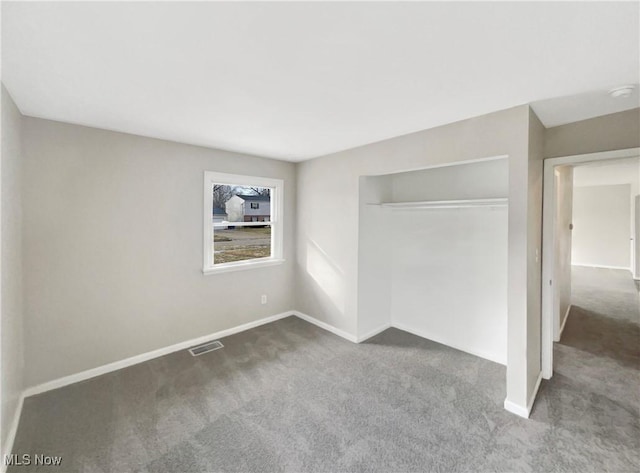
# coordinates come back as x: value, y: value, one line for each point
x: 438, y: 272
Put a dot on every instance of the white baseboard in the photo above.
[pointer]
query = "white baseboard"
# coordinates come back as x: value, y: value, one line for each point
x: 516, y: 409
x: 326, y: 326
x: 134, y: 360
x: 110, y: 367
x: 429, y: 336
x: 11, y: 435
x: 373, y: 333
x: 520, y: 410
x: 564, y: 323
x: 419, y: 333
x: 602, y: 266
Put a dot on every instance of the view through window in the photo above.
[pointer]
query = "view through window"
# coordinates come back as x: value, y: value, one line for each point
x: 241, y: 222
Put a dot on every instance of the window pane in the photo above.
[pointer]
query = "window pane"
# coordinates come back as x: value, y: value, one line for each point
x: 231, y: 243
x: 241, y: 203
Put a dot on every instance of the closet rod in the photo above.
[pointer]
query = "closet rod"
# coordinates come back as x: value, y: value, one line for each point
x: 447, y: 204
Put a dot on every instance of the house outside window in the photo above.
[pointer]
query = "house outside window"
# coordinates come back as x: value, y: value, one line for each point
x: 242, y: 222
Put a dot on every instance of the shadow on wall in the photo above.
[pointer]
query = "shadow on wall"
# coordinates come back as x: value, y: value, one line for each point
x: 328, y: 278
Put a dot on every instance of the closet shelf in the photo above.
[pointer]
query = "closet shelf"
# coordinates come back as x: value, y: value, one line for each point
x: 447, y: 204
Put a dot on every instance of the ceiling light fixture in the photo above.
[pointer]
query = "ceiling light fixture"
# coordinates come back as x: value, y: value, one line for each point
x: 621, y: 92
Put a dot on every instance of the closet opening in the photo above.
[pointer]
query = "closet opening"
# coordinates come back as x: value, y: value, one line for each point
x: 433, y: 249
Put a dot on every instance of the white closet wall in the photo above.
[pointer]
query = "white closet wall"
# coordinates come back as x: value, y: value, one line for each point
x: 447, y: 267
x: 449, y: 278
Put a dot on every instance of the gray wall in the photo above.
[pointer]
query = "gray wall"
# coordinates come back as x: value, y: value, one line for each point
x: 602, y: 226
x: 328, y: 219
x: 11, y: 331
x: 375, y: 249
x: 113, y: 248
x: 563, y: 240
x: 534, y: 255
x: 606, y: 133
x: 478, y: 180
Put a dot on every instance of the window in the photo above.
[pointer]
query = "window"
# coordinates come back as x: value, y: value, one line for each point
x: 242, y: 222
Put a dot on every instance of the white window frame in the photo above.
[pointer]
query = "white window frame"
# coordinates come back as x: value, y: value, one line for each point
x: 275, y: 221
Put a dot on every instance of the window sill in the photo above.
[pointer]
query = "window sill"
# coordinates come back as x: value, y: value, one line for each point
x: 228, y: 267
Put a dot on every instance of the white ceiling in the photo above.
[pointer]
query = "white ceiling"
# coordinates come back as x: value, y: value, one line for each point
x: 298, y: 80
x: 572, y: 108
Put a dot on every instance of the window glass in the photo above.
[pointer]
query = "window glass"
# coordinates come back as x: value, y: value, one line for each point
x: 241, y: 226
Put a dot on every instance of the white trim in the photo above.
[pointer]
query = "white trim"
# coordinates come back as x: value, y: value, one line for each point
x: 11, y: 435
x: 519, y: 410
x: 373, y: 332
x: 241, y: 179
x: 548, y: 322
x: 326, y: 326
x: 429, y: 336
x: 548, y: 232
x: 599, y: 156
x: 134, y: 360
x: 242, y: 265
x: 516, y: 409
x: 603, y: 266
x: 108, y: 368
x: 564, y: 322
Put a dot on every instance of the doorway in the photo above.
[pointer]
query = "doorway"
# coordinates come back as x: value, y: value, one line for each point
x: 557, y: 239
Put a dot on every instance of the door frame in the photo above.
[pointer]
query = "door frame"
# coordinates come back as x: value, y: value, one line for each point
x: 548, y: 242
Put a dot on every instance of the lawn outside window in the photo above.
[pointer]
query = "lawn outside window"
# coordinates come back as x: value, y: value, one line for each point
x: 242, y: 222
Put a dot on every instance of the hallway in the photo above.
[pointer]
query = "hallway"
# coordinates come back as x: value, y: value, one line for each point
x: 595, y: 389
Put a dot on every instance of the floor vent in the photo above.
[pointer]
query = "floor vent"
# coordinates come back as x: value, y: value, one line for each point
x: 205, y: 348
